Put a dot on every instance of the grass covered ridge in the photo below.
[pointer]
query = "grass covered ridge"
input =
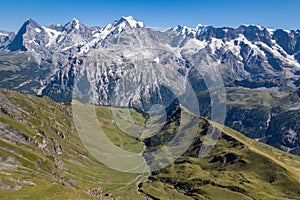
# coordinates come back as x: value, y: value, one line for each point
x: 42, y: 157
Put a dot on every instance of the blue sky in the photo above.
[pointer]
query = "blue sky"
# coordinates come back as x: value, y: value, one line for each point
x: 154, y: 13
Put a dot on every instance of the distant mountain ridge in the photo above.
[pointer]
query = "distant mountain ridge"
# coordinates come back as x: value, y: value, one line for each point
x: 260, y: 68
x: 287, y: 42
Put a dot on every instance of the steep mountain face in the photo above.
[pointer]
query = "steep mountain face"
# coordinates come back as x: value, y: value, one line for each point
x: 259, y: 67
x: 5, y: 38
x: 43, y: 42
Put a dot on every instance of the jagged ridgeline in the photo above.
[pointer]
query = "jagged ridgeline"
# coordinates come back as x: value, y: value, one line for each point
x: 259, y: 67
x: 42, y: 156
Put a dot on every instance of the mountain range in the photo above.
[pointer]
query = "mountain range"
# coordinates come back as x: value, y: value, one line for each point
x: 259, y: 67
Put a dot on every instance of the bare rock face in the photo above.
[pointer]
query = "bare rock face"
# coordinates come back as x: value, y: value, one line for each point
x: 97, y: 192
x: 5, y: 38
x: 57, y: 147
x: 4, y: 186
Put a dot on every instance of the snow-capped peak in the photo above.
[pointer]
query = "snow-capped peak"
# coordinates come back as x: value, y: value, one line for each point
x: 31, y: 22
x: 115, y: 27
x: 131, y: 22
x: 73, y: 24
x: 200, y: 28
x: 75, y: 20
x: 185, y: 31
x: 118, y: 26
x: 253, y: 26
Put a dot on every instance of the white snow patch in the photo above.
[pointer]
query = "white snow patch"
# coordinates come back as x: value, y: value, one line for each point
x: 259, y: 27
x: 193, y: 45
x: 291, y: 136
x: 107, y: 30
x: 74, y: 45
x: 271, y: 31
x: 286, y: 58
x: 235, y: 49
x: 188, y: 31
x: 22, y: 84
x: 215, y: 44
x: 84, y: 49
x: 184, y: 30
x: 97, y: 35
x: 141, y: 24
x: 132, y: 23
x: 60, y: 38
x: 269, y: 120
x: 200, y: 29
x: 67, y: 48
x: 37, y: 30
x: 33, y: 41
x: 40, y: 91
x: 53, y: 35
x: 295, y: 107
x: 121, y: 27
x: 77, y: 23
x: 256, y: 50
x: 3, y: 34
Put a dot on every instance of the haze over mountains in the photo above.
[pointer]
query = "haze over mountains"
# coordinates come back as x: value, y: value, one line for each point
x: 259, y: 67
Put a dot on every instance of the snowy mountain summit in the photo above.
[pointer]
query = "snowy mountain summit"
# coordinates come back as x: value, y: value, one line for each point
x: 131, y: 22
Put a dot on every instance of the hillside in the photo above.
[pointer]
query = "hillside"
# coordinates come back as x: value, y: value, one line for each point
x: 42, y: 157
x: 236, y: 168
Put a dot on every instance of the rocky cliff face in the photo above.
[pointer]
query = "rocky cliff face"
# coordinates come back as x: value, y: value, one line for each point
x: 259, y: 67
x: 5, y: 38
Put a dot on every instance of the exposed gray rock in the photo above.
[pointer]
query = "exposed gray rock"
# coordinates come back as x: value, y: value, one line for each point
x: 9, y: 133
x: 57, y: 147
x: 4, y: 186
x: 5, y: 38
x: 96, y: 193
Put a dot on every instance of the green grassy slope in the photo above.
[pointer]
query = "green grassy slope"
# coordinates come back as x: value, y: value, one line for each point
x: 61, y: 167
x: 42, y: 157
x: 236, y: 168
